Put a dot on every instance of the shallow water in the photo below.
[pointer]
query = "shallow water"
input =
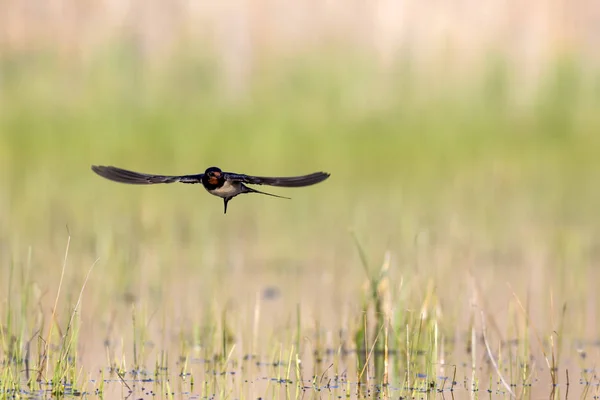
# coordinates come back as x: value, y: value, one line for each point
x: 253, y: 377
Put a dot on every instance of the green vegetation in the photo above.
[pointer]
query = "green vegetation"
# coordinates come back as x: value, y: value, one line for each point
x: 454, y: 246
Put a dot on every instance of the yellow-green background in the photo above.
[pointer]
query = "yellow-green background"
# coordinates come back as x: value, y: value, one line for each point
x: 464, y: 186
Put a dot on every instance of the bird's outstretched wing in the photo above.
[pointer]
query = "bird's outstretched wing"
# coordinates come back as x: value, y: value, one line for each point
x: 137, y: 178
x: 290, y: 181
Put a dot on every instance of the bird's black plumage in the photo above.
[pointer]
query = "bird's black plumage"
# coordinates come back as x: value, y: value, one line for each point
x: 137, y: 178
x: 226, y: 185
x: 292, y: 181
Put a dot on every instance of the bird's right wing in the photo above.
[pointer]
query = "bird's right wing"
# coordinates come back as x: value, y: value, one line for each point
x: 137, y: 178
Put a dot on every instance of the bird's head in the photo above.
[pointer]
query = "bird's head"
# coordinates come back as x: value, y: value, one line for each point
x: 214, y: 175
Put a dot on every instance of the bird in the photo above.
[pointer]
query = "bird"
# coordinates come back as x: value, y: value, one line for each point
x: 222, y: 184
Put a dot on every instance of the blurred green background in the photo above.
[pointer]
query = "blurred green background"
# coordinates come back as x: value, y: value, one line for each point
x: 402, y: 155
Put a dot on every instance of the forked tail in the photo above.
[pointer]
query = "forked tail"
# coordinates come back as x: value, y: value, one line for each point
x: 250, y: 190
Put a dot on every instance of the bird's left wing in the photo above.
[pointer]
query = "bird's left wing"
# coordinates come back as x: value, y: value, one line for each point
x: 286, y: 181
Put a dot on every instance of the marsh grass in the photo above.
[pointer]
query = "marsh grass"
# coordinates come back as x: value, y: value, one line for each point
x: 469, y: 265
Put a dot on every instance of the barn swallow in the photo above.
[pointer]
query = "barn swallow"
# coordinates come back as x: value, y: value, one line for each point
x: 226, y: 185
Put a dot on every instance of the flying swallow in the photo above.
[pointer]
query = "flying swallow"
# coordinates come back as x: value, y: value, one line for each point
x: 226, y: 185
